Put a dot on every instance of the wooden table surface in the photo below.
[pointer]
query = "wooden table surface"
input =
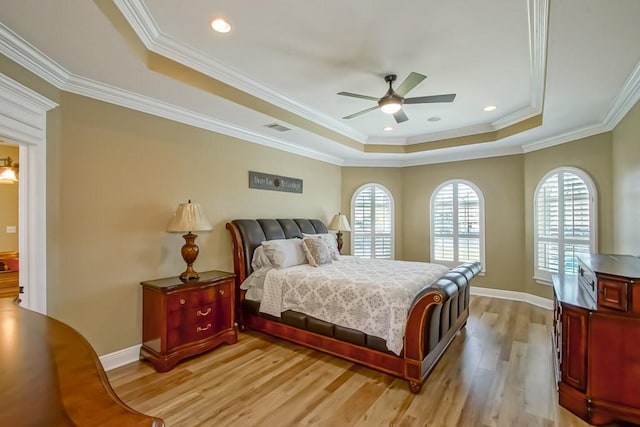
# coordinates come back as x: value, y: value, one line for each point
x: 51, y: 376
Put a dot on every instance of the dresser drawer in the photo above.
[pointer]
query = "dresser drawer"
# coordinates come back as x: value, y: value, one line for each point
x: 199, y: 297
x: 612, y: 294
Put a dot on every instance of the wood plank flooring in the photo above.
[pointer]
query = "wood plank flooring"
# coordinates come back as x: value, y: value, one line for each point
x: 497, y: 372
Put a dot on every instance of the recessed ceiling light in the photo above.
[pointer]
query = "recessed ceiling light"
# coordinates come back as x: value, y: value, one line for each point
x: 490, y: 108
x: 220, y: 25
x: 434, y: 119
x: 388, y: 128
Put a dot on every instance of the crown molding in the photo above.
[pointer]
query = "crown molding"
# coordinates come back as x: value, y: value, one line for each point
x: 625, y: 100
x: 20, y: 51
x: 143, y: 24
x: 628, y: 96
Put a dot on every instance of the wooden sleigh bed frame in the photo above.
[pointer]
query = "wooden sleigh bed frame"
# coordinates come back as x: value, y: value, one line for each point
x: 437, y: 313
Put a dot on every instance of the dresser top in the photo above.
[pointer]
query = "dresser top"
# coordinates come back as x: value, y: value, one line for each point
x: 615, y: 265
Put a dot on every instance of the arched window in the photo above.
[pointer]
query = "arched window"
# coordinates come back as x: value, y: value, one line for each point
x: 457, y: 223
x: 372, y: 222
x: 564, y: 221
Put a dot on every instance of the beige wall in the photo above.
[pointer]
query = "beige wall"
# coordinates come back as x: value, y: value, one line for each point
x: 592, y: 155
x: 626, y: 184
x: 121, y: 176
x: 500, y: 181
x: 390, y: 178
x: 508, y: 184
x: 8, y: 204
x: 115, y: 177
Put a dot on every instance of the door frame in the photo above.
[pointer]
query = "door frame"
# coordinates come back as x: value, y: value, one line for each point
x: 23, y: 118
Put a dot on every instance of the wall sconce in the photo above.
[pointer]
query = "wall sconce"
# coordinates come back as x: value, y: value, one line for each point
x: 8, y: 171
x: 189, y: 218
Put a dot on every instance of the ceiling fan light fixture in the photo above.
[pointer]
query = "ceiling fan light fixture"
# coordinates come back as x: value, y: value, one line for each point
x: 220, y: 25
x: 390, y: 105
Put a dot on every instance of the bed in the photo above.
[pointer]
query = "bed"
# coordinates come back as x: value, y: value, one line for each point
x: 436, y: 308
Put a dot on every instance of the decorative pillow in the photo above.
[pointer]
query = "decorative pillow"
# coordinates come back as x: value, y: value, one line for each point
x: 332, y: 243
x: 316, y: 250
x: 260, y: 259
x: 284, y: 253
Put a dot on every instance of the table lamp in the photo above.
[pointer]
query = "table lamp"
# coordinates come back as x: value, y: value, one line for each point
x: 339, y: 223
x: 188, y: 218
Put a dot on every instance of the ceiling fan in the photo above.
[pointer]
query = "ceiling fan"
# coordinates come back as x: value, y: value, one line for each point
x: 392, y: 101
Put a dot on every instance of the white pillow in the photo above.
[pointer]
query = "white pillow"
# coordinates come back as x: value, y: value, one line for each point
x: 332, y: 242
x: 285, y: 253
x: 260, y: 259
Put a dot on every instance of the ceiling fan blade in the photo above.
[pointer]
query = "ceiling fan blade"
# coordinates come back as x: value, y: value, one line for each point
x: 359, y: 113
x: 409, y: 83
x: 400, y: 116
x: 355, y: 95
x: 430, y: 99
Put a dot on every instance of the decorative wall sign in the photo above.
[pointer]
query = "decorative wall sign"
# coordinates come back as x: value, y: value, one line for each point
x: 265, y: 181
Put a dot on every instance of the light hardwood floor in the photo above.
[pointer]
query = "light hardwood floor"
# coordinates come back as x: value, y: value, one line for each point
x: 497, y: 372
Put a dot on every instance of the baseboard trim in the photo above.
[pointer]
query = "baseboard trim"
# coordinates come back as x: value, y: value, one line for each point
x: 132, y: 354
x: 513, y: 295
x: 121, y: 357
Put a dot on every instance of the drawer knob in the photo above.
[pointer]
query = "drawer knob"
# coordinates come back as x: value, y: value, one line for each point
x: 221, y: 291
x: 206, y: 328
x: 182, y: 301
x: 204, y: 313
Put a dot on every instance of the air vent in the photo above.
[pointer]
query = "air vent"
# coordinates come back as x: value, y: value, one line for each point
x: 277, y: 127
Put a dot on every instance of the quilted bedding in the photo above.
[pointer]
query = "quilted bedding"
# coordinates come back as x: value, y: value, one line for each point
x: 372, y: 296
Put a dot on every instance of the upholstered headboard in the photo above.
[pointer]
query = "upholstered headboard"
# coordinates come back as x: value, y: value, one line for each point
x: 248, y: 234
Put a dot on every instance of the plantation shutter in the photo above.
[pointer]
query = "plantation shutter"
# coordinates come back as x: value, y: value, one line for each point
x: 443, y: 224
x: 372, y: 217
x: 563, y: 223
x: 468, y: 224
x: 455, y: 224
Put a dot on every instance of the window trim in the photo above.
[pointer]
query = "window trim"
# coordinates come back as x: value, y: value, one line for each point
x: 544, y: 277
x: 481, y: 204
x: 393, y: 223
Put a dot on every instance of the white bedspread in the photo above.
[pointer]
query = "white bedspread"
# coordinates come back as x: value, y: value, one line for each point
x: 372, y: 296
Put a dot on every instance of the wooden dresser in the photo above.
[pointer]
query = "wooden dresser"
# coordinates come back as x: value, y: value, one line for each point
x: 596, y: 339
x: 51, y: 376
x: 182, y: 319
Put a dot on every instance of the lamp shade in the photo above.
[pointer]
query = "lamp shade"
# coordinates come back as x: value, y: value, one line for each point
x: 7, y: 176
x: 188, y: 217
x: 339, y: 223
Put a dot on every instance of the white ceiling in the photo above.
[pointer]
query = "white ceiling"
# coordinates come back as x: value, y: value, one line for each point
x: 576, y: 62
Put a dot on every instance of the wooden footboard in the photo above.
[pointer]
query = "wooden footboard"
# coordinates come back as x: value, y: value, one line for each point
x: 438, y: 312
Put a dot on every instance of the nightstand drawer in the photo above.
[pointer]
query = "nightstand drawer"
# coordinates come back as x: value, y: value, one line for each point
x: 196, y: 315
x: 199, y: 297
x: 193, y: 324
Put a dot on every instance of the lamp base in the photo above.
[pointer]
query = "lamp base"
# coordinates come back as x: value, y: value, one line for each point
x: 189, y: 274
x: 339, y: 238
x: 189, y: 253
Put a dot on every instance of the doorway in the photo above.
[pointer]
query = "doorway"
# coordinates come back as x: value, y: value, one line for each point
x: 23, y: 122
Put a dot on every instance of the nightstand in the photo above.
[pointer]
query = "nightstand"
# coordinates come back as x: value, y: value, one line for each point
x: 182, y: 319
